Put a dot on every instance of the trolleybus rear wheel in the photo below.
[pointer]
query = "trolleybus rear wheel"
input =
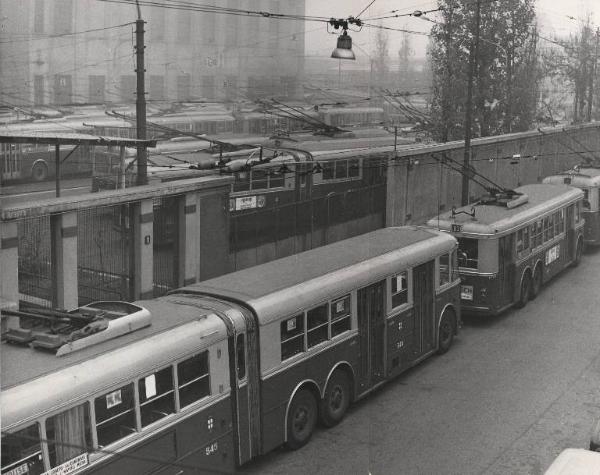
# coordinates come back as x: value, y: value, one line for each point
x: 537, y: 282
x: 336, y: 400
x: 39, y: 172
x: 525, y: 291
x: 446, y: 332
x: 301, y: 419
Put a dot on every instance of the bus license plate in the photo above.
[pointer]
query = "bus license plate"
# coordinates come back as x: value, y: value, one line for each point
x: 466, y: 292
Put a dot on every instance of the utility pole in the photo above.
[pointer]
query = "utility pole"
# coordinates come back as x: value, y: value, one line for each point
x: 469, y: 112
x: 592, y: 76
x: 140, y: 105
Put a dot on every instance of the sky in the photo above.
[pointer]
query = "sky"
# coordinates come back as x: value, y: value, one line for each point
x: 553, y: 17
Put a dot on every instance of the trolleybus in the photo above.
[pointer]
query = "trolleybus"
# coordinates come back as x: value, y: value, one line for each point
x: 221, y: 371
x: 511, y: 243
x: 586, y: 178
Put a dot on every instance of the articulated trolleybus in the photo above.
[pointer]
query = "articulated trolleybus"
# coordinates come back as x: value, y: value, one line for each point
x: 512, y: 242
x: 221, y: 371
x: 586, y: 178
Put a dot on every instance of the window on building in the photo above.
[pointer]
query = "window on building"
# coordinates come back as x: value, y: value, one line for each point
x: 63, y: 16
x: 156, y: 396
x: 63, y: 89
x: 39, y: 16
x: 468, y: 253
x: 184, y: 27
x: 156, y: 28
x: 184, y: 87
x: 208, y: 87
x: 399, y: 289
x: 115, y: 415
x: 22, y: 451
x: 69, y: 434
x: 97, y: 86
x: 194, y: 380
x: 38, y: 89
x: 157, y: 88
x: 128, y: 88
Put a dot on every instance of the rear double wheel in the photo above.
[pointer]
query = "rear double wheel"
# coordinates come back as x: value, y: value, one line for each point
x: 336, y: 400
x: 301, y: 419
x: 525, y: 291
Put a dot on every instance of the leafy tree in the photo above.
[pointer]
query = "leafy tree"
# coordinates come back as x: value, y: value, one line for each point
x: 380, y: 57
x: 505, y: 73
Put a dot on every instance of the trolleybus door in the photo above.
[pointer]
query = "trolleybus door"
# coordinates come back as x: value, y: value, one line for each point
x: 371, y: 325
x: 570, y: 226
x: 506, y: 270
x: 10, y: 154
x: 423, y: 300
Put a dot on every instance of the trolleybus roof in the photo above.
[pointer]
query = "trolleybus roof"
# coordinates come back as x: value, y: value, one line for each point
x: 583, y: 176
x: 283, y: 286
x: 492, y: 219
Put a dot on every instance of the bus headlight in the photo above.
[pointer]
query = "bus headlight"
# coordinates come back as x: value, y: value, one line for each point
x: 483, y: 293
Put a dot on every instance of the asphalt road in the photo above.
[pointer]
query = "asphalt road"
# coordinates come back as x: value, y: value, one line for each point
x: 509, y: 396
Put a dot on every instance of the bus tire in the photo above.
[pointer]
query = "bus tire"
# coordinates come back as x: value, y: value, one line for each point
x: 525, y: 291
x: 537, y: 282
x: 39, y: 172
x: 578, y: 252
x: 336, y: 399
x: 446, y: 331
x: 301, y: 419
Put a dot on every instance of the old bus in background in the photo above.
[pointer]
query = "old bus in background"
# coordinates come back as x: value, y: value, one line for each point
x: 586, y: 178
x: 221, y: 371
x: 512, y: 242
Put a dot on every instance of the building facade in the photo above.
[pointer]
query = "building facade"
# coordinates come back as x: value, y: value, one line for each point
x: 55, y: 52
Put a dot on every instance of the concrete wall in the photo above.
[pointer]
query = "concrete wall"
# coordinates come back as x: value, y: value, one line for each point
x: 421, y: 182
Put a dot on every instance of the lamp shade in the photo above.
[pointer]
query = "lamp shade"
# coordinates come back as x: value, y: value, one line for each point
x: 344, y: 47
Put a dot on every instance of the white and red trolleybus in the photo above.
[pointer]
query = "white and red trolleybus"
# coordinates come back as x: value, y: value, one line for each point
x: 586, y: 178
x: 511, y: 243
x: 221, y: 371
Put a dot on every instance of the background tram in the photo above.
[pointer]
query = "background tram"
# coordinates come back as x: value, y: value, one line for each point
x: 221, y: 371
x: 510, y: 244
x: 587, y: 179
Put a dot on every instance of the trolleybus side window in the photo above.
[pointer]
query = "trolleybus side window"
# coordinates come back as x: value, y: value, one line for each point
x: 586, y: 199
x: 399, y: 289
x: 340, y: 315
x: 454, y: 267
x: 156, y: 395
x: 115, y: 415
x: 292, y: 336
x: 193, y: 379
x: 444, y: 270
x: 468, y: 254
x: 22, y: 451
x: 317, y: 321
x: 536, y: 233
x: 69, y: 434
x: 577, y: 212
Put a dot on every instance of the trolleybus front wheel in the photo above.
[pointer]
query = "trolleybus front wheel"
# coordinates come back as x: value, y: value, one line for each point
x: 446, y: 332
x: 336, y: 400
x: 301, y: 419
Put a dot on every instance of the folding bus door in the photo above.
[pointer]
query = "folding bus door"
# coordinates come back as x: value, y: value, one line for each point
x: 424, y: 308
x: 506, y: 270
x: 371, y: 326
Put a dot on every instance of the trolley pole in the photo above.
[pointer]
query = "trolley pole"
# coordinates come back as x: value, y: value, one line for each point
x: 469, y: 111
x: 140, y: 107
